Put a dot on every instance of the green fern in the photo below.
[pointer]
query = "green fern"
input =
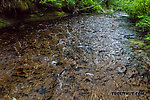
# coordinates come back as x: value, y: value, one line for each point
x: 147, y: 37
x: 144, y: 23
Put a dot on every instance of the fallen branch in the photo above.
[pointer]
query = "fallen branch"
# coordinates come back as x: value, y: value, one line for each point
x: 76, y: 10
x: 92, y: 6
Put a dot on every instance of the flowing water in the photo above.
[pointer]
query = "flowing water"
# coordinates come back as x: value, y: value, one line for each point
x: 86, y: 57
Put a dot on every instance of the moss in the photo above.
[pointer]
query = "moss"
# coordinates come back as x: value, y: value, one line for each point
x: 3, y: 23
x: 140, y: 44
x: 47, y: 16
x: 61, y: 14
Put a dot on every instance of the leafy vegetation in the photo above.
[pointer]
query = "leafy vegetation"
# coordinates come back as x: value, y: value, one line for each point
x: 148, y: 37
x: 40, y: 9
x: 3, y: 23
x: 139, y: 11
x: 15, y: 8
x: 72, y: 4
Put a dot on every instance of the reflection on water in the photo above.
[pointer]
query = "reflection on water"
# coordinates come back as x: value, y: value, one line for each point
x: 84, y: 57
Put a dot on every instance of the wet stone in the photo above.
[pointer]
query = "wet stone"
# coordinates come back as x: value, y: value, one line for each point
x: 41, y: 90
x: 87, y: 80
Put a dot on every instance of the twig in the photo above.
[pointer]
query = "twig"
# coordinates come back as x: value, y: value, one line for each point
x: 92, y: 6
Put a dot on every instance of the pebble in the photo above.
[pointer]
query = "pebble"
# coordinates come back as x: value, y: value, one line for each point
x: 122, y: 69
x: 14, y: 98
x: 89, y: 74
x: 132, y: 73
x: 54, y: 62
x: 80, y: 46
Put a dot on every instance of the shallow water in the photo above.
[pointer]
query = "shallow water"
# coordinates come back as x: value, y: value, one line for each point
x: 84, y: 57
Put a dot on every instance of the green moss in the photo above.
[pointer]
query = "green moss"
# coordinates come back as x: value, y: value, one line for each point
x: 3, y: 23
x: 47, y: 16
x: 141, y: 46
x: 61, y: 14
x: 140, y: 43
x: 109, y: 12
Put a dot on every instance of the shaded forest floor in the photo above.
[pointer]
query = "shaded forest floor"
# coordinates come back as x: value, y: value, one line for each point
x: 86, y: 57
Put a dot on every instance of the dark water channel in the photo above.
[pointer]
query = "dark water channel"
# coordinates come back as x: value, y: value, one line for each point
x: 81, y: 58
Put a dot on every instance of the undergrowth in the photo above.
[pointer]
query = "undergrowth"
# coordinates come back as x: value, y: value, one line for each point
x: 72, y: 4
x: 139, y: 11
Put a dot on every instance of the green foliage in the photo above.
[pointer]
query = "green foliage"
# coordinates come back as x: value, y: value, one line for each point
x: 97, y: 8
x: 46, y: 1
x: 58, y: 3
x: 34, y: 5
x: 139, y: 11
x: 148, y: 37
x: 3, y: 23
x: 71, y: 3
x: 144, y: 23
x: 110, y: 4
x: 86, y: 3
x: 140, y: 43
x: 136, y: 7
x: 52, y: 3
x: 21, y: 4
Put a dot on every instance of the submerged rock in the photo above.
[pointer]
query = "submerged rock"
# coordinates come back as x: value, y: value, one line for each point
x: 122, y: 69
x: 54, y: 62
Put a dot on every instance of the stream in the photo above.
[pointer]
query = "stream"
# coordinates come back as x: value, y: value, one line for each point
x: 85, y: 57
